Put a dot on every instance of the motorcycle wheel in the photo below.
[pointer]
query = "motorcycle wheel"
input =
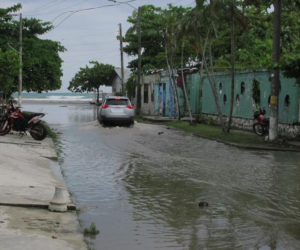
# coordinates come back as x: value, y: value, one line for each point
x: 4, y: 127
x: 259, y: 129
x: 38, y: 131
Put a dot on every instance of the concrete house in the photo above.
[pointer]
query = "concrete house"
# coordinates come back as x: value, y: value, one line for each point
x: 115, y: 80
x: 252, y: 90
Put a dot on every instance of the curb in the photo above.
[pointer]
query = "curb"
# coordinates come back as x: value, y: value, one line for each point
x: 248, y: 146
x: 71, y: 207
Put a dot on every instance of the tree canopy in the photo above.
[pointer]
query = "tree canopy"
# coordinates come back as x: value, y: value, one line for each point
x: 253, y: 34
x: 41, y: 61
x: 88, y: 79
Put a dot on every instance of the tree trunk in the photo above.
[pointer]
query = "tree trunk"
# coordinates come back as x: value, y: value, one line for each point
x: 203, y: 49
x: 273, y: 131
x: 175, y: 88
x: 184, y: 89
x: 212, y: 81
x: 171, y: 76
x: 232, y: 71
x: 98, y: 93
x: 170, y: 79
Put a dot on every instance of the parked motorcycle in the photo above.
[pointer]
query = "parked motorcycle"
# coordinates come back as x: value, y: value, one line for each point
x: 15, y: 120
x: 261, y: 123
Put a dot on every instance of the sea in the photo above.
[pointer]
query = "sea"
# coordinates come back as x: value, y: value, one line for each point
x: 56, y: 97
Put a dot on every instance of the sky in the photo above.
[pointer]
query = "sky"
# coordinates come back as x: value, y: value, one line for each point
x: 87, y: 35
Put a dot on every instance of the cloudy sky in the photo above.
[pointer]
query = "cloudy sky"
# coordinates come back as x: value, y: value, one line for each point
x: 87, y: 35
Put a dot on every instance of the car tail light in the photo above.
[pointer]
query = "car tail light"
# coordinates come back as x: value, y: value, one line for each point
x: 104, y: 106
x: 130, y: 106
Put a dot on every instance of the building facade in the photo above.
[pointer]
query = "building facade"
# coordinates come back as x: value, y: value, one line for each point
x: 252, y: 90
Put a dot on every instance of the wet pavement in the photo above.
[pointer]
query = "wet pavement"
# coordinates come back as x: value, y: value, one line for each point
x: 27, y: 185
x: 142, y: 185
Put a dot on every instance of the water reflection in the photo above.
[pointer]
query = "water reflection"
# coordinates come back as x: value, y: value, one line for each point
x: 67, y: 114
x: 142, y: 188
x: 248, y: 206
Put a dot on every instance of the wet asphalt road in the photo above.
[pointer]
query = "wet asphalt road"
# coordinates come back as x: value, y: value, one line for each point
x: 141, y: 186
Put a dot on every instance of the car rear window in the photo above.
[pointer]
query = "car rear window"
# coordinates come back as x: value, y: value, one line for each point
x: 120, y: 102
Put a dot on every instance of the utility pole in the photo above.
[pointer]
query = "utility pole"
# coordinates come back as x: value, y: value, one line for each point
x: 122, y: 61
x: 137, y: 87
x: 21, y: 62
x: 273, y: 132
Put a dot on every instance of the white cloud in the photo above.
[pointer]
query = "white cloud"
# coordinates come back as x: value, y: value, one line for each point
x: 87, y: 35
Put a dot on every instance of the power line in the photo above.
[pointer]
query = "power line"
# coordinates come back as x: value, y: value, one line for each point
x: 76, y: 11
x: 79, y: 50
x: 189, y: 4
x: 82, y: 29
x: 83, y: 50
x: 87, y: 36
x: 115, y: 41
x: 94, y: 59
x: 177, y: 2
x: 88, y: 54
x: 56, y: 11
x: 41, y: 7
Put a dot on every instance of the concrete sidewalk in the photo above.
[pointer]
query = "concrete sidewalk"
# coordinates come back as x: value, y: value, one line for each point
x: 27, y: 184
x: 288, y: 145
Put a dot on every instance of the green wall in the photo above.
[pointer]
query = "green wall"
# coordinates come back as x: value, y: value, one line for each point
x: 245, y: 107
x: 193, y: 91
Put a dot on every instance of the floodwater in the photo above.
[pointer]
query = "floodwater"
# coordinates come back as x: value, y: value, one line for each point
x: 142, y: 187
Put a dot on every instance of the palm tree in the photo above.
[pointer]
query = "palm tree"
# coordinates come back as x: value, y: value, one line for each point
x: 169, y: 51
x: 219, y: 10
x: 185, y: 34
x: 184, y: 88
x: 205, y: 13
x: 273, y: 132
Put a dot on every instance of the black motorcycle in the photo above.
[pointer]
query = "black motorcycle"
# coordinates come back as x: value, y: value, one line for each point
x: 15, y: 120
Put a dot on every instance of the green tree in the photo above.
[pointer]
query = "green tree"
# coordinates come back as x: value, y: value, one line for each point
x: 185, y: 37
x: 90, y: 79
x: 130, y: 86
x: 205, y: 13
x: 41, y: 61
x: 151, y: 37
x: 9, y: 62
x: 231, y: 14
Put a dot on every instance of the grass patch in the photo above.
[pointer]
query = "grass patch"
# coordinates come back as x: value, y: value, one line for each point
x: 215, y: 132
x: 92, y: 231
x: 50, y: 131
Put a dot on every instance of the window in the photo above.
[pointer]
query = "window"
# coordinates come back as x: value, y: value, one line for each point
x: 224, y: 99
x: 242, y: 88
x: 287, y: 101
x: 146, y: 94
x: 117, y: 102
x: 220, y: 88
x: 237, y: 99
x: 256, y: 93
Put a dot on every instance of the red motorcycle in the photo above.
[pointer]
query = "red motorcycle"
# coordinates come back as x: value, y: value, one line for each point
x: 15, y: 120
x: 261, y: 123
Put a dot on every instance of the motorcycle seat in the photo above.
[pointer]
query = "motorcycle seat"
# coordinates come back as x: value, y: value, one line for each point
x: 30, y: 116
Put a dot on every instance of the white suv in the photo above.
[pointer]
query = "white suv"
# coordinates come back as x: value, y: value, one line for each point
x: 116, y: 109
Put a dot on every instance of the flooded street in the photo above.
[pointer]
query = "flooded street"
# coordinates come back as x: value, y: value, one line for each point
x: 142, y: 187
